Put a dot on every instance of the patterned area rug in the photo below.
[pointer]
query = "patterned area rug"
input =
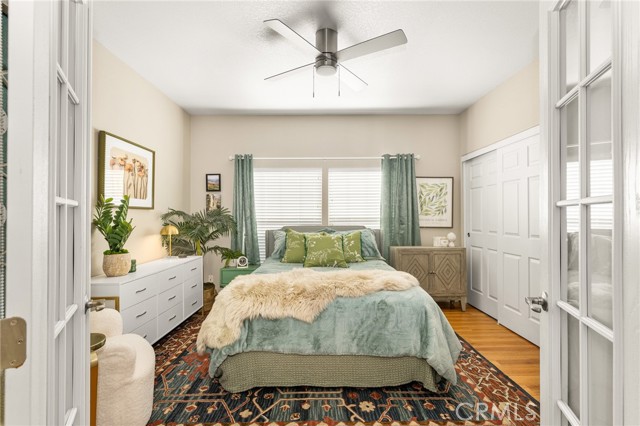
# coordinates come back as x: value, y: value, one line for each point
x: 185, y: 394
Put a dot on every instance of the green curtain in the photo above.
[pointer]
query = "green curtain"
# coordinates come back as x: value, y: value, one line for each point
x: 399, y: 203
x: 245, y: 238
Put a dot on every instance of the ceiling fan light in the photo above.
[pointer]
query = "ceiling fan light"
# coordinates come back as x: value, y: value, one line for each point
x: 326, y: 70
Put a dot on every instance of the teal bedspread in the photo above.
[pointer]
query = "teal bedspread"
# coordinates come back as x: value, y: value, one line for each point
x: 387, y: 324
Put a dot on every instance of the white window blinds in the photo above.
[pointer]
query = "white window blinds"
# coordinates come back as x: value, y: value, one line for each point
x: 291, y: 196
x: 354, y: 196
x: 601, y: 183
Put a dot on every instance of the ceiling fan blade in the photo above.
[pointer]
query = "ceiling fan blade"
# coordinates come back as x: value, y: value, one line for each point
x: 286, y: 32
x: 385, y: 41
x: 354, y: 82
x: 287, y: 73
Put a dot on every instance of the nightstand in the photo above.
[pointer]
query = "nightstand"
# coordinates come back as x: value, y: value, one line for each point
x: 441, y: 271
x: 228, y: 274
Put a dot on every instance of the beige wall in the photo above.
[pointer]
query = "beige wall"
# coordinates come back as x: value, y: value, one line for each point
x: 215, y: 138
x: 128, y: 106
x: 505, y: 111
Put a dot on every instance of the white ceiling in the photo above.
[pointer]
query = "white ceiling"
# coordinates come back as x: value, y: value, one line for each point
x: 212, y: 57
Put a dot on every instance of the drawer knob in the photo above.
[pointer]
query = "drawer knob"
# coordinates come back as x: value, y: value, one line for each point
x: 194, y: 303
x: 173, y: 317
x: 173, y: 277
x: 142, y: 314
x: 140, y: 291
x: 195, y: 285
x: 172, y: 297
x: 193, y: 269
x: 144, y: 337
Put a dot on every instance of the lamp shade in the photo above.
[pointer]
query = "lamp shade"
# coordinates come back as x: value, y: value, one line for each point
x: 169, y: 230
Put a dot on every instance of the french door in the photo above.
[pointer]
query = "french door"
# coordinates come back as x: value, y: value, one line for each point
x: 582, y: 347
x: 48, y: 212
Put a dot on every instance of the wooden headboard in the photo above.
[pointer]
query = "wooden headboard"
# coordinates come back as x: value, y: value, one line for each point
x: 270, y: 240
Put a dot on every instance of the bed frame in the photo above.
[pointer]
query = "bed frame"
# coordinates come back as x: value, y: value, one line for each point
x: 268, y: 369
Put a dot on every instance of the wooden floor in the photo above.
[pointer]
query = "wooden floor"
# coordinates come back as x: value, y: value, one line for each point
x: 514, y: 355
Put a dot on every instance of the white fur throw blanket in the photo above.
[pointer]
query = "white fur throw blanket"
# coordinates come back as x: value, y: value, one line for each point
x: 301, y: 294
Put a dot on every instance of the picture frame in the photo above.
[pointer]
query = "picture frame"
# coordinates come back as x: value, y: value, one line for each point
x: 213, y: 202
x: 126, y: 168
x: 213, y: 182
x: 435, y: 201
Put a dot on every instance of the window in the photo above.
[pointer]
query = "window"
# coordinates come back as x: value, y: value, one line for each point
x: 354, y: 197
x: 286, y: 197
x: 294, y: 196
x: 601, y: 180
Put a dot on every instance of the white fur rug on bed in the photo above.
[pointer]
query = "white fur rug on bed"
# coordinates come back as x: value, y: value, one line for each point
x: 300, y: 293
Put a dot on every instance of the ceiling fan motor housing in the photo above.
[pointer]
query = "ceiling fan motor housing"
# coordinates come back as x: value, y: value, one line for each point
x: 327, y: 43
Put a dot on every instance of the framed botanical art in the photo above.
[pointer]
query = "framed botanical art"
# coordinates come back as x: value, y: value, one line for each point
x: 214, y: 182
x: 126, y: 168
x: 435, y: 202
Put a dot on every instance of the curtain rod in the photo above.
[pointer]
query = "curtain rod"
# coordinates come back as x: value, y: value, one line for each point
x: 231, y: 158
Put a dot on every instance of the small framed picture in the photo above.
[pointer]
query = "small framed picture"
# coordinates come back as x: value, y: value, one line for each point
x: 435, y: 202
x: 213, y: 182
x: 214, y: 202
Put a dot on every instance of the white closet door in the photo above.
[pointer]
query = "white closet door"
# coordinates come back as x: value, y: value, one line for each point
x: 519, y: 235
x: 481, y: 218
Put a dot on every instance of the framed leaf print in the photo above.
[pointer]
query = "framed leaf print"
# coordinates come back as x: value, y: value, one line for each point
x: 435, y: 201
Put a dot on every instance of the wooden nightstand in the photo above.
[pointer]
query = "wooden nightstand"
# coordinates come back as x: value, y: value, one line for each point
x: 441, y: 271
x: 228, y: 274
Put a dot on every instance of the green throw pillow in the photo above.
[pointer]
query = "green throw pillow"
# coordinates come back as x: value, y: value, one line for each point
x: 352, y: 247
x: 294, y: 252
x: 324, y: 250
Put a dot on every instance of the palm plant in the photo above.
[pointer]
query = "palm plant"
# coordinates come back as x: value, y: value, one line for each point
x: 197, y: 231
x: 113, y: 225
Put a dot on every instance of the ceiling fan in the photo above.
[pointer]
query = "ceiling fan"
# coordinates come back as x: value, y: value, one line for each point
x: 327, y: 58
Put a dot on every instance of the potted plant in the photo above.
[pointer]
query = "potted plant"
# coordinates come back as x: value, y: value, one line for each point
x: 198, y: 231
x: 111, y: 221
x: 228, y: 255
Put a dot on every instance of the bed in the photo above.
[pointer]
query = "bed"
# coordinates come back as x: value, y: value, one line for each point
x: 347, y: 345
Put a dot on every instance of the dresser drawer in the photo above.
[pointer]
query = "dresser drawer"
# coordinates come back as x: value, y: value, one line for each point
x: 192, y: 296
x: 193, y: 270
x: 168, y: 320
x: 149, y: 331
x: 170, y: 278
x: 136, y: 291
x: 169, y: 298
x: 137, y: 315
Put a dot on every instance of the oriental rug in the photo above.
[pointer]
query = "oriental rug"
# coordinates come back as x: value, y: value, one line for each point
x: 185, y: 395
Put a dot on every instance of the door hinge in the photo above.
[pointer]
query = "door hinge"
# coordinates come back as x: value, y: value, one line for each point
x: 13, y: 342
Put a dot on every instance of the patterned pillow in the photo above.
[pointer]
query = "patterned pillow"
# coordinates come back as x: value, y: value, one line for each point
x: 279, y: 244
x: 368, y: 241
x: 295, y: 250
x: 352, y: 247
x: 324, y: 250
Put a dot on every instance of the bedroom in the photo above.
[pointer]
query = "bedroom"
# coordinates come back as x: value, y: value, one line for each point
x: 433, y: 109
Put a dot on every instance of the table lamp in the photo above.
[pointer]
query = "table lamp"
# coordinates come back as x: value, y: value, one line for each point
x: 169, y: 230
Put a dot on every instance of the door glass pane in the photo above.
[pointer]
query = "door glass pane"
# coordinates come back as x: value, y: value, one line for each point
x: 600, y: 379
x: 600, y: 259
x: 571, y: 293
x: 69, y: 171
x: 571, y: 362
x: 570, y: 23
x: 599, y: 32
x: 71, y: 42
x: 570, y: 144
x: 599, y: 136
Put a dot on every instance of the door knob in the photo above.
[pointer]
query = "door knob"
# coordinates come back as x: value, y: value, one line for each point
x: 94, y: 305
x: 538, y: 304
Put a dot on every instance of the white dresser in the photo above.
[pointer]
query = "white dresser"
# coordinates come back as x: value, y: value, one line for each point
x: 157, y: 297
